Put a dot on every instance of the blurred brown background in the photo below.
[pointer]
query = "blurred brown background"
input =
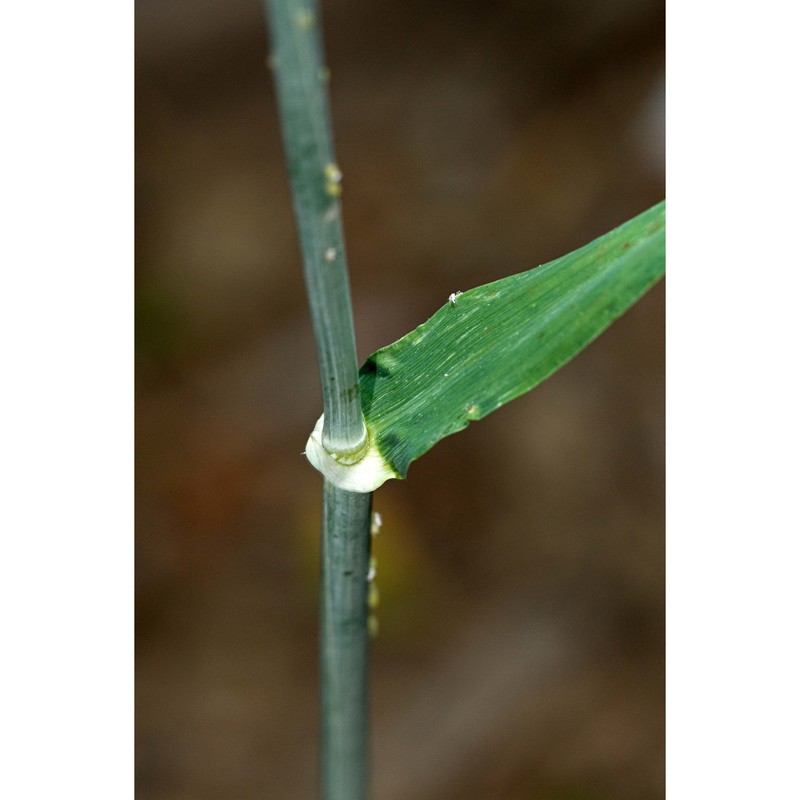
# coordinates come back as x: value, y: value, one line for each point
x: 520, y: 566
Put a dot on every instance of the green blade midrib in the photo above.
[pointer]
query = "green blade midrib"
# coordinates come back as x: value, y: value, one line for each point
x: 500, y: 340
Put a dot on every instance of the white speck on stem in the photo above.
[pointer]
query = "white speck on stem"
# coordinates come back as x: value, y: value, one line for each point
x: 330, y: 255
x: 373, y: 597
x: 373, y: 567
x: 377, y: 522
x: 333, y: 173
x: 453, y: 297
x: 305, y: 20
x: 333, y: 180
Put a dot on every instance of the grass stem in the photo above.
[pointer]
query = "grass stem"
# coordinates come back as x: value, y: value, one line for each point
x: 301, y: 82
x: 344, y: 640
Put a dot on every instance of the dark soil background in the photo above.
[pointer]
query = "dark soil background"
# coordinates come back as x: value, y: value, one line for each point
x: 521, y: 565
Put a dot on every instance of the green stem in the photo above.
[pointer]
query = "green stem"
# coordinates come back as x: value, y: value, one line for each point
x: 301, y: 83
x: 344, y: 655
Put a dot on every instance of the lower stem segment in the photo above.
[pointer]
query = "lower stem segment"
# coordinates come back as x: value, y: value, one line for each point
x: 344, y: 643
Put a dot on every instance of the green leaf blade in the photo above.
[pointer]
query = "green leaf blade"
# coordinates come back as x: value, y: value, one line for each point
x: 498, y: 341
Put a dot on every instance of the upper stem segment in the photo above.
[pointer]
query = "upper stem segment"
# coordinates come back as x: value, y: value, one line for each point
x: 301, y: 80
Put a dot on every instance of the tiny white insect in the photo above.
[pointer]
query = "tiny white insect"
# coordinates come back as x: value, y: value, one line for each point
x: 373, y: 568
x: 453, y: 297
x: 330, y: 254
x: 377, y: 521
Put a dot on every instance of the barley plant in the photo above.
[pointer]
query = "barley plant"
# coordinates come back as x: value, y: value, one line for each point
x: 484, y: 347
